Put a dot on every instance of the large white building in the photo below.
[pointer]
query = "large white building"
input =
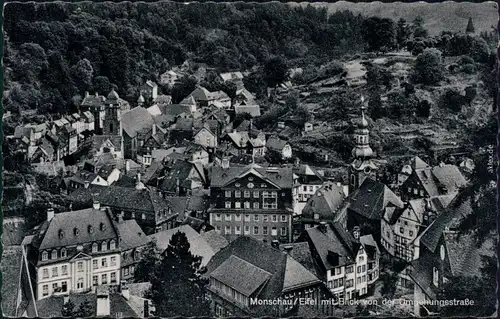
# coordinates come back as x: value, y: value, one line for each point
x: 73, y: 252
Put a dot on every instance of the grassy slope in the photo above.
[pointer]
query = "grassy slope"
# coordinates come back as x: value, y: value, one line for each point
x: 447, y: 15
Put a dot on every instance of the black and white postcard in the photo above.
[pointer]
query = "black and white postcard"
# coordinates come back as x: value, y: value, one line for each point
x: 164, y: 159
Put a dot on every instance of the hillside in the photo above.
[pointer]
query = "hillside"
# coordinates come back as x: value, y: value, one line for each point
x: 451, y: 16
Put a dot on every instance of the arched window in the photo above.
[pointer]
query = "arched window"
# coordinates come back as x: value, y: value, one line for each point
x: 90, y: 229
x: 63, y: 253
x: 76, y: 232
x: 45, y: 256
x: 102, y: 227
x: 112, y: 244
x: 136, y: 255
x: 61, y: 234
x: 435, y: 276
x: 53, y: 255
x: 94, y: 247
x: 104, y: 246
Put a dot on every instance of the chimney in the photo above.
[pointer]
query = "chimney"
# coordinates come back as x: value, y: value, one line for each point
x: 225, y: 162
x: 65, y: 299
x: 96, y: 94
x: 86, y: 184
x: 322, y: 227
x: 127, y: 166
x: 86, y: 93
x: 275, y: 243
x: 288, y: 249
x: 125, y: 292
x: 120, y: 216
x: 96, y: 205
x: 103, y: 304
x: 154, y: 129
x: 50, y: 214
x: 356, y: 232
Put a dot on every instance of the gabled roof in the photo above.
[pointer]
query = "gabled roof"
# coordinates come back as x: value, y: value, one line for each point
x: 441, y: 179
x: 114, y: 141
x: 276, y: 144
x: 281, y: 177
x: 325, y: 202
x: 136, y: 120
x: 231, y: 76
x: 131, y: 235
x: 247, y: 264
x: 418, y: 163
x: 371, y: 198
x: 188, y: 101
x: 302, y: 253
x: 49, y: 234
x: 179, y: 172
x: 93, y: 100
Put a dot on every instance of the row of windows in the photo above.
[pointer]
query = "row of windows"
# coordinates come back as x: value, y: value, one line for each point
x: 104, y: 262
x: 248, y: 205
x: 129, y: 270
x: 361, y: 279
x: 256, y: 217
x: 361, y: 268
x: 55, y: 288
x: 104, y: 246
x: 248, y: 194
x: 104, y: 279
x: 55, y: 271
x: 229, y: 292
x: 336, y: 283
x: 54, y: 254
x: 63, y: 252
x: 256, y: 230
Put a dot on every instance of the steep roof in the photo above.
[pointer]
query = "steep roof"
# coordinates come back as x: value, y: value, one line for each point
x: 464, y: 256
x: 247, y: 264
x: 131, y: 235
x: 49, y: 234
x: 179, y: 172
x: 325, y: 202
x: 441, y: 179
x: 418, y: 163
x: 93, y: 100
x: 302, y: 253
x: 276, y: 144
x: 281, y: 177
x: 99, y: 141
x: 371, y: 198
x: 136, y: 120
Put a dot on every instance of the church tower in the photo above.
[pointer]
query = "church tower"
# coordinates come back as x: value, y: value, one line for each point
x: 112, y: 119
x: 363, y: 165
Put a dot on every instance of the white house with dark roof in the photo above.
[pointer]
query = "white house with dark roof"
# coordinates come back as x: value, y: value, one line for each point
x: 73, y: 252
x: 132, y: 242
x: 149, y: 90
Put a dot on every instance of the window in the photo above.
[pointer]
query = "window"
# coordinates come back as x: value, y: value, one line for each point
x: 113, y: 261
x: 338, y: 271
x: 217, y: 228
x: 112, y: 244
x: 45, y: 290
x: 264, y: 230
x: 237, y: 194
x: 113, y: 277
x: 246, y: 205
x: 104, y: 262
x: 349, y: 283
x: 358, y: 280
x: 125, y: 271
x: 246, y: 194
x: 265, y: 194
x: 275, y: 218
x: 53, y: 255
x: 274, y: 231
x: 54, y: 272
x: 256, y: 194
x: 227, y: 217
x: 256, y: 217
x: 228, y: 193
x: 218, y: 217
x: 228, y: 205
x: 63, y: 253
x: 80, y: 266
x: 401, y: 230
x: 256, y: 230
x: 95, y: 280
x: 274, y: 194
x: 283, y: 218
x: 256, y: 205
x: 64, y: 286
x: 237, y: 217
x: 435, y: 276
x: 104, y: 246
x: 247, y: 230
x: 247, y: 218
x: 237, y: 230
x: 45, y: 256
x: 95, y: 265
x: 104, y: 279
x: 143, y: 216
x: 45, y: 273
x: 76, y: 232
x: 363, y: 268
x: 349, y: 269
x: 64, y: 270
x: 361, y: 258
x: 359, y: 269
x: 283, y: 231
x: 227, y: 230
x: 137, y: 254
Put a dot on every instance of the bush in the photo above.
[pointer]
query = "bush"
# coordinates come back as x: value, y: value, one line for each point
x: 469, y: 69
x: 453, y: 100
x: 428, y: 67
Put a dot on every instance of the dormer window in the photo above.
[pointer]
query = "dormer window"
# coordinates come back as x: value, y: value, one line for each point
x: 90, y: 229
x: 76, y: 231
x: 94, y: 247
x: 45, y: 256
x: 63, y: 253
x: 104, y: 246
x: 112, y: 244
x: 102, y: 227
x: 136, y: 255
x: 61, y: 234
x: 435, y: 276
x: 53, y: 255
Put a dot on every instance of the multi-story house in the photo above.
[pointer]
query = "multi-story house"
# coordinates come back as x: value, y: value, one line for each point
x: 205, y: 137
x: 149, y: 90
x: 132, y: 243
x: 252, y: 201
x: 73, y: 252
x: 306, y: 181
x: 278, y: 149
x: 427, y: 181
x: 136, y: 124
x: 248, y: 269
x: 203, y: 97
x: 348, y: 263
x: 247, y: 142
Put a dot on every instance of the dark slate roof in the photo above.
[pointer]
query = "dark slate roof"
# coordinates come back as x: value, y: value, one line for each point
x: 11, y: 279
x: 371, y: 198
x: 449, y: 218
x: 307, y: 175
x: 179, y: 205
x: 93, y: 100
x: 276, y: 144
x: 106, y: 170
x: 326, y: 202
x: 215, y: 240
x: 247, y: 263
x: 441, y: 180
x: 282, y: 177
x: 301, y: 252
x: 421, y: 273
x: 179, y: 172
x: 99, y: 140
x: 131, y: 235
x: 48, y: 234
x: 136, y: 120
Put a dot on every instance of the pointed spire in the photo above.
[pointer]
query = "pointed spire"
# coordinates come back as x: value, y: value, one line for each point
x: 362, y: 147
x: 470, y: 27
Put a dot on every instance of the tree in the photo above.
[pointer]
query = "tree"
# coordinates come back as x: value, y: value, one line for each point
x: 82, y: 74
x: 403, y: 33
x: 150, y: 263
x: 470, y: 27
x: 85, y: 310
x: 378, y: 77
x: 275, y: 71
x: 183, y: 88
x: 428, y: 68
x: 68, y: 309
x: 418, y: 28
x: 379, y: 34
x: 255, y: 83
x: 179, y: 290
x: 101, y: 85
x: 453, y: 100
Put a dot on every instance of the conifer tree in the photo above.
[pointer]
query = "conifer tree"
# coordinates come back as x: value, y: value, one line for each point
x: 470, y: 27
